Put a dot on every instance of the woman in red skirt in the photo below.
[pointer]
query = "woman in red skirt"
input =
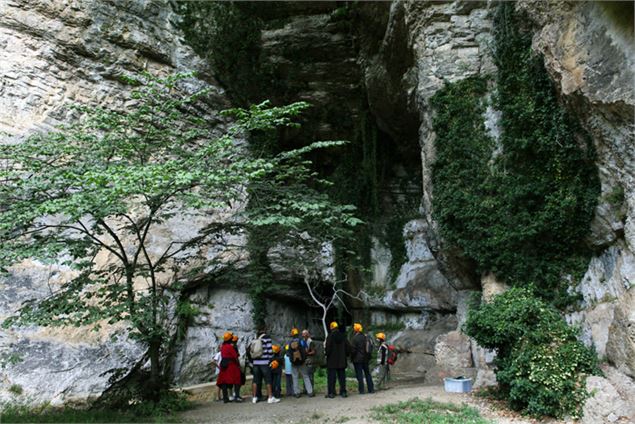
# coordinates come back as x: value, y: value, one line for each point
x: 229, y: 368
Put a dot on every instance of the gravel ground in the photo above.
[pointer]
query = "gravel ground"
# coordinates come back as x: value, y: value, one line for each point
x: 355, y: 409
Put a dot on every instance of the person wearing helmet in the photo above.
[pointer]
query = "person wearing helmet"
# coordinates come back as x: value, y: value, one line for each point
x: 297, y: 355
x: 236, y: 396
x: 277, y: 363
x: 229, y: 370
x: 310, y: 356
x: 382, y: 361
x: 362, y: 349
x: 288, y: 373
x: 337, y: 349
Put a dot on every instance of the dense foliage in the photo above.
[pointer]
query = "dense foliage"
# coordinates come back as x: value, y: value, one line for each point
x: 227, y: 35
x: 541, y: 365
x: 519, y: 206
x: 92, y: 193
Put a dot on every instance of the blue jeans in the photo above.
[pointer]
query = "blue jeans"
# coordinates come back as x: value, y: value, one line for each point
x: 361, y: 371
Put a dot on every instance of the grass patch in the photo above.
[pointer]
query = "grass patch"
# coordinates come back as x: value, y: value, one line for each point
x: 147, y: 412
x: 429, y: 412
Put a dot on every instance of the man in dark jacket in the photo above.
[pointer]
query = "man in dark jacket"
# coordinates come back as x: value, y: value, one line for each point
x: 337, y: 349
x: 361, y: 356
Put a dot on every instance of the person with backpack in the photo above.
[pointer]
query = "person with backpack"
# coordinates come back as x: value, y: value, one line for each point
x: 229, y: 374
x: 297, y: 355
x: 337, y: 349
x: 386, y: 356
x: 261, y: 355
x: 362, y: 349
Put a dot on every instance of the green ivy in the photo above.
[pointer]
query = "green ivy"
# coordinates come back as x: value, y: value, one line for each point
x: 541, y: 365
x: 227, y: 35
x: 521, y: 206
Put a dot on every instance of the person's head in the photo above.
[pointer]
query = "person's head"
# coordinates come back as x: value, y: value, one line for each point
x: 262, y: 330
x: 306, y: 334
x: 275, y: 348
x: 294, y: 332
x: 227, y: 336
x: 333, y: 326
x: 381, y: 337
x: 235, y: 339
x: 357, y: 327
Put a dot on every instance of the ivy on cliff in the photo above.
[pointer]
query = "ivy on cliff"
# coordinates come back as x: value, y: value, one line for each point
x: 519, y: 206
x: 227, y: 35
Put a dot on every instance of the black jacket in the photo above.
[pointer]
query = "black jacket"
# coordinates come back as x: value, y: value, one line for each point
x: 358, y: 345
x: 337, y: 349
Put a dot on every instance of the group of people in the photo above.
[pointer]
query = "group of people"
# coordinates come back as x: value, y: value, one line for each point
x: 297, y: 358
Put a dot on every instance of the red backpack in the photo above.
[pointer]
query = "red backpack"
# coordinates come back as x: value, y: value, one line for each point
x: 392, y: 355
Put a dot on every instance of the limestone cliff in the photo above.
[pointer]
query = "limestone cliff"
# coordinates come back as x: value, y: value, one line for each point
x: 370, y: 71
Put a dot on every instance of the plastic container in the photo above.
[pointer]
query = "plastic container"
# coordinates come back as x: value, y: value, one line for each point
x: 457, y: 384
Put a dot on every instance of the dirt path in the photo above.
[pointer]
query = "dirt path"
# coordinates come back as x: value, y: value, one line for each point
x: 355, y: 409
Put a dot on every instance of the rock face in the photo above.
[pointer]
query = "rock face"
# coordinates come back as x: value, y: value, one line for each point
x: 53, y: 54
x: 378, y: 61
x: 588, y: 51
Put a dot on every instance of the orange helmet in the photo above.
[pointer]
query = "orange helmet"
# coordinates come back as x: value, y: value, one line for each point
x: 227, y: 336
x: 274, y: 364
x: 295, y: 331
x: 357, y: 327
x: 235, y: 338
x: 275, y: 348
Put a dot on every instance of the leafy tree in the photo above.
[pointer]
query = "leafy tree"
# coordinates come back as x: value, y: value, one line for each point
x: 100, y: 186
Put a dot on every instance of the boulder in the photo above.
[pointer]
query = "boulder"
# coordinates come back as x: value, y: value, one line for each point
x: 605, y: 404
x: 453, y: 351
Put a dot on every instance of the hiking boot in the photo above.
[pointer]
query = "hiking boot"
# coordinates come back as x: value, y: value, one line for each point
x: 311, y: 395
x: 297, y: 396
x: 330, y: 396
x: 273, y: 400
x: 344, y: 395
x: 238, y: 399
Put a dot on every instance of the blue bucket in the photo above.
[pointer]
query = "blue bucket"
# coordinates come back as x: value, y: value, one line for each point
x: 457, y: 384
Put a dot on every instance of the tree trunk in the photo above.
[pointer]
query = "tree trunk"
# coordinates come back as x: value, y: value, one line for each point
x: 155, y: 384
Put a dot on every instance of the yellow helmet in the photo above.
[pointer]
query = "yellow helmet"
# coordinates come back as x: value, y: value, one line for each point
x: 357, y: 327
x: 275, y: 348
x: 227, y: 336
x: 295, y: 331
x: 333, y: 325
x: 381, y: 336
x: 286, y: 347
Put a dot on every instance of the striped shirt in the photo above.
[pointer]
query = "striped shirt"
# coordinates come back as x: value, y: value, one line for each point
x: 267, y: 353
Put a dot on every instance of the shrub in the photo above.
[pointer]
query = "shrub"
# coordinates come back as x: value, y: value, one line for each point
x: 541, y: 366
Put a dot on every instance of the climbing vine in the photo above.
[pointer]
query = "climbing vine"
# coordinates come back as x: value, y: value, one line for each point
x: 519, y: 206
x: 227, y: 35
